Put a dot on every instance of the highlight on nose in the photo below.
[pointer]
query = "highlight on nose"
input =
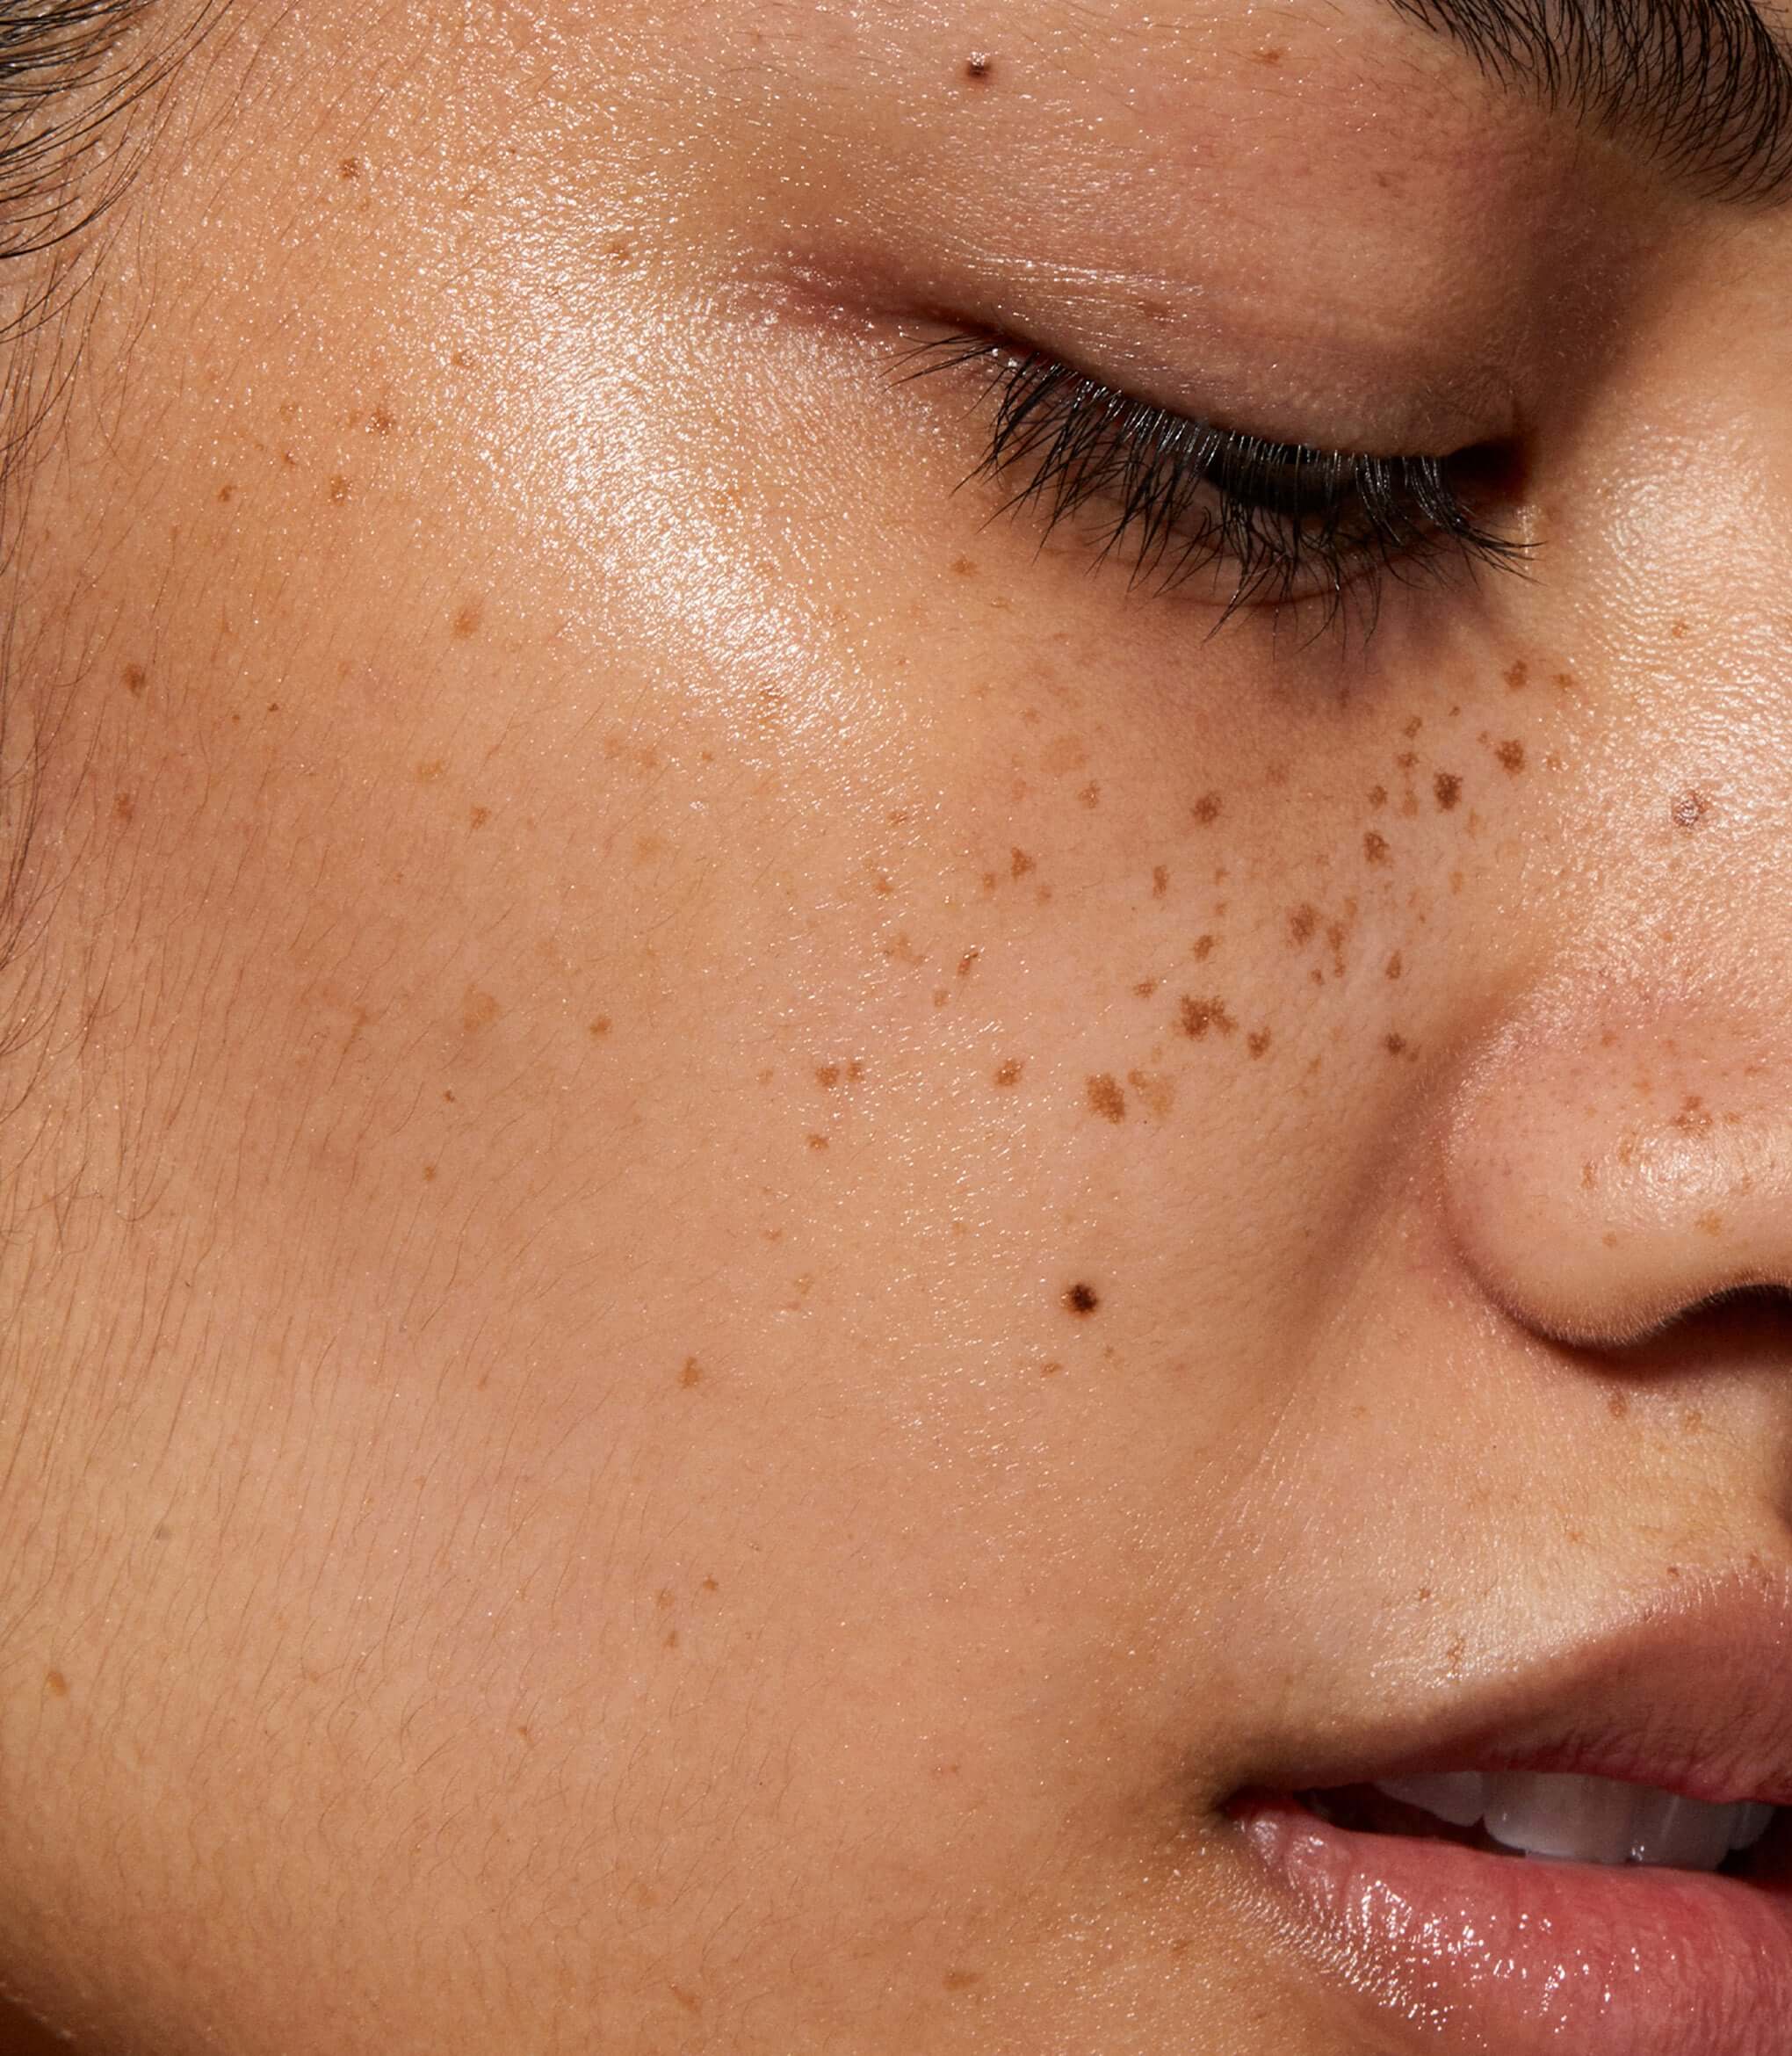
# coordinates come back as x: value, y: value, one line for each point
x: 1599, y: 1184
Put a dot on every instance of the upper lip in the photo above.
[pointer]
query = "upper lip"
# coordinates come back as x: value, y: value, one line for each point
x: 1691, y: 1692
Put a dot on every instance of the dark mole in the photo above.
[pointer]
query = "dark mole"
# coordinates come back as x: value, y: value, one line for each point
x: 1301, y: 923
x: 1206, y: 808
x: 1009, y: 1073
x: 691, y: 1374
x: 980, y: 66
x: 1159, y: 882
x: 1019, y: 864
x: 1107, y: 1098
x: 1511, y: 755
x: 1449, y: 788
x: 1394, y: 1044
x: 1082, y: 1298
x: 1688, y: 809
x: 1196, y: 1016
x: 1374, y: 848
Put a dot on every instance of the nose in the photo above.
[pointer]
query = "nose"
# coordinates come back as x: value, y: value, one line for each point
x: 1604, y: 1177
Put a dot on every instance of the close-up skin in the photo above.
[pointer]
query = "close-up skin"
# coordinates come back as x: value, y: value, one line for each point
x: 898, y: 1028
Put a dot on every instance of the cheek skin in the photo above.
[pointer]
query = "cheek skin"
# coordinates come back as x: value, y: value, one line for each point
x: 744, y: 1109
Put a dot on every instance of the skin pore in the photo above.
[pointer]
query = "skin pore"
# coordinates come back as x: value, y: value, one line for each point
x: 755, y: 1220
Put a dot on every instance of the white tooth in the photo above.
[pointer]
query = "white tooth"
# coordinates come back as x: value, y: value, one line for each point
x: 1459, y: 1797
x: 1585, y: 1819
x: 1754, y: 1823
x: 1683, y: 1832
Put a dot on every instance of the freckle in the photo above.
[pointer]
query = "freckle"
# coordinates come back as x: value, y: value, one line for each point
x: 1206, y: 810
x: 979, y: 68
x: 1374, y: 847
x: 349, y: 168
x: 963, y: 568
x: 1693, y: 1419
x: 56, y: 1684
x: 1159, y: 1094
x: 428, y: 773
x: 1617, y: 1405
x: 1067, y: 754
x: 1679, y: 631
x: 989, y: 881
x: 671, y: 1642
x: 1081, y: 1300
x: 1407, y: 759
x: 1689, y: 810
x: 1413, y: 727
x: 1050, y: 1370
x: 691, y: 1374
x: 1709, y: 1224
x: 339, y: 490
x: 1106, y: 1097
x: 1564, y: 681
x: 1694, y: 1118
x: 961, y: 1980
x: 1008, y: 1074
x: 967, y: 962
x: 448, y: 1097
x: 466, y: 620
x: 1259, y: 1043
x: 1090, y: 795
x: 1448, y: 788
x: 1197, y: 1015
x: 1202, y: 948
x: 124, y: 806
x: 1159, y: 882
x: 227, y: 493
x: 273, y: 706
x: 480, y: 816
x: 1394, y: 1044
x: 1301, y: 923
x: 941, y: 996
x: 1518, y: 677
x: 479, y: 1010
x: 135, y: 678
x: 1393, y: 967
x: 1020, y: 863
x: 1377, y: 795
x: 1511, y: 755
x: 380, y: 422
x: 1271, y: 56
x: 817, y: 1141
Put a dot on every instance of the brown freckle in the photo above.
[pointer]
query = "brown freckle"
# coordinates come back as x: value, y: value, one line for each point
x: 1377, y: 795
x: 135, y: 678
x: 1090, y: 794
x: 691, y: 1374
x: 817, y: 1141
x: 1019, y: 864
x: 600, y: 1027
x: 1407, y: 759
x: 827, y: 1077
x: 1206, y: 808
x: 1617, y: 1405
x: 466, y: 620
x: 1518, y: 677
x: 1202, y: 948
x: 1374, y: 848
x: 428, y: 773
x: 1411, y: 727
x: 1106, y: 1097
x: 429, y: 1173
x: 382, y: 422
x: 1394, y: 1044
x: 963, y: 568
x: 479, y: 1010
x: 480, y: 816
x: 1301, y: 923
x: 56, y: 1684
x: 967, y: 962
x: 710, y: 1585
x: 1008, y: 1073
x: 1688, y: 809
x: 227, y: 492
x: 961, y: 1980
x: 448, y: 1097
x: 1447, y: 789
x: 1258, y: 1043
x: 1067, y: 754
x: 1709, y: 1224
x: 1196, y: 1016
x: 941, y: 996
x: 979, y: 68
x: 1269, y: 56
x: 1159, y: 1094
x: 124, y: 806
x: 339, y: 490
x: 349, y: 168
x: 273, y: 706
x: 1393, y: 967
x: 1694, y: 1118
x: 1159, y: 882
x: 1679, y: 631
x: 1050, y: 1370
x: 1082, y: 1300
x: 1564, y: 681
x: 1511, y: 755
x: 1693, y: 1419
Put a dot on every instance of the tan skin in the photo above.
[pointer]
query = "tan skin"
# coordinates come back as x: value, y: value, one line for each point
x: 740, y: 1191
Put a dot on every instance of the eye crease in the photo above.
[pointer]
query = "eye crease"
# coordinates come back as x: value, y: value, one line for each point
x: 1281, y: 526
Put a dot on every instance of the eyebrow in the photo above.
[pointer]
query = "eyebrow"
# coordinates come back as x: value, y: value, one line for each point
x: 1702, y: 85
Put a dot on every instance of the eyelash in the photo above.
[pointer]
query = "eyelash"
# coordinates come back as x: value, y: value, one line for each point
x: 1184, y: 496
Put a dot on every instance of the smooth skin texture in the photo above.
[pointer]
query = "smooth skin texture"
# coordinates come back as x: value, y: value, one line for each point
x: 750, y: 1227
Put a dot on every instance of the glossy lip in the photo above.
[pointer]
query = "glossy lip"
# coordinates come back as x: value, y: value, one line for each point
x: 1488, y: 1952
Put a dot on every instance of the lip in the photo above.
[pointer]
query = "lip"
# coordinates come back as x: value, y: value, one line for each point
x: 1691, y: 1693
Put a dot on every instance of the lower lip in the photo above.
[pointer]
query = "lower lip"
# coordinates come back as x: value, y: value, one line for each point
x: 1490, y: 1952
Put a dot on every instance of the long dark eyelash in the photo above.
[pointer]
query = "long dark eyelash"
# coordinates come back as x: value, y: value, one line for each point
x: 1179, y: 496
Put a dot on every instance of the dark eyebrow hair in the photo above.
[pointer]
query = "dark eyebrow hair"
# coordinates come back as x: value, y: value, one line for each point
x: 1703, y: 85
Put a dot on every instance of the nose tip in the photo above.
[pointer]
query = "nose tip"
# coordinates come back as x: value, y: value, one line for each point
x: 1601, y: 1184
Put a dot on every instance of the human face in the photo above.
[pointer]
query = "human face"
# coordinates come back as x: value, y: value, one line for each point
x: 780, y: 1240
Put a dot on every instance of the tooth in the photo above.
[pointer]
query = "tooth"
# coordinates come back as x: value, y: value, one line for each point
x: 1683, y: 1832
x: 1586, y: 1819
x: 1459, y: 1797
